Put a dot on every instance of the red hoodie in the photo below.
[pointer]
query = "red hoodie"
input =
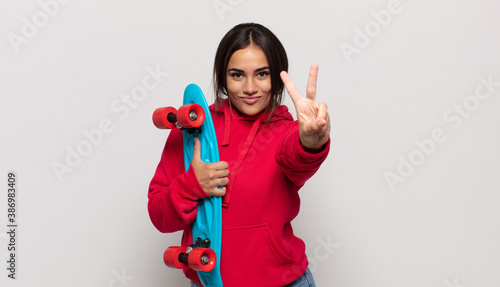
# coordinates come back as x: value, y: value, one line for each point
x: 267, y: 166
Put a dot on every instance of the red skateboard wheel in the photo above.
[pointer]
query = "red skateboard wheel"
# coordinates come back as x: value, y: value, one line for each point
x: 160, y: 117
x: 171, y: 257
x: 191, y: 116
x: 202, y: 259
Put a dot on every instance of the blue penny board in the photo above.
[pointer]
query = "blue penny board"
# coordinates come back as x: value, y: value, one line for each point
x: 208, y: 222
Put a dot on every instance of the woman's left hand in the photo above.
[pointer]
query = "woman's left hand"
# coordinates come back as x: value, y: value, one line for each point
x: 314, y: 121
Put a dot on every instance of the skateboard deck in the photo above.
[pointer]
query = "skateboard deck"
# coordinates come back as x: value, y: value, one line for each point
x: 207, y: 227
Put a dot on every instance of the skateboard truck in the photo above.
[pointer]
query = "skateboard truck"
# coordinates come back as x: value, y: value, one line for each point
x: 199, y: 243
x: 198, y: 256
x: 188, y: 117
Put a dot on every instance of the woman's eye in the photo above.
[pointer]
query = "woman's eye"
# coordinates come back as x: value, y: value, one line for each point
x: 236, y: 75
x: 263, y: 74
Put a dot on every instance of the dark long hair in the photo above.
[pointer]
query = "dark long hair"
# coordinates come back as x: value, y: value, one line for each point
x: 240, y: 37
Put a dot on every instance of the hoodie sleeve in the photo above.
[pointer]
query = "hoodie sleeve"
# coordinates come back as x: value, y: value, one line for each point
x: 297, y: 163
x: 173, y: 193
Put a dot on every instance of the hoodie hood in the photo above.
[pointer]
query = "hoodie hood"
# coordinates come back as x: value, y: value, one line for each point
x: 231, y: 114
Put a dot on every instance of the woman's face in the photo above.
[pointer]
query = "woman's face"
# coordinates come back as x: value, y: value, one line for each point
x: 249, y: 80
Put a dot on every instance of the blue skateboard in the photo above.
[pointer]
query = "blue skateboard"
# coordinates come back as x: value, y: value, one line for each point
x: 194, y: 119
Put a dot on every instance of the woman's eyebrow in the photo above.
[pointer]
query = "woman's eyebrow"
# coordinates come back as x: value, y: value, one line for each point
x: 256, y: 70
x: 262, y: 69
x: 236, y: 70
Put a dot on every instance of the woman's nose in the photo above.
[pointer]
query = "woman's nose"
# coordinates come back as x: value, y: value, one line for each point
x: 250, y: 88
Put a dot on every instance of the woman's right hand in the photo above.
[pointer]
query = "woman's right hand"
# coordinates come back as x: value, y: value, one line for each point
x: 211, y: 176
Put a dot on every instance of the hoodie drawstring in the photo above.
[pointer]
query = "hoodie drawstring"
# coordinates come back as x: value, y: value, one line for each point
x: 227, y: 127
x: 241, y: 157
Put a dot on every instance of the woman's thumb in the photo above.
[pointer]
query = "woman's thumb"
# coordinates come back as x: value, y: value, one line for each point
x: 197, y: 149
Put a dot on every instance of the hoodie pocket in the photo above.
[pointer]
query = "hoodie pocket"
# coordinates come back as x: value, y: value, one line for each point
x: 252, y: 250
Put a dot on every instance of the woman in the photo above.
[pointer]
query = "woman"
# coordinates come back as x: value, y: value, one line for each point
x: 265, y: 155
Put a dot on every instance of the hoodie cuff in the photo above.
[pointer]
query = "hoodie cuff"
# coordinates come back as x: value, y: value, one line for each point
x: 190, y: 187
x: 293, y: 154
x: 316, y: 151
x: 308, y: 156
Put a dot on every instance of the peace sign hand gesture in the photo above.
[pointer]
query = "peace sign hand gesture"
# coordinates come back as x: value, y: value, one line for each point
x: 314, y: 121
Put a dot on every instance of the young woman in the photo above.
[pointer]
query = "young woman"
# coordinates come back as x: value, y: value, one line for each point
x: 266, y: 157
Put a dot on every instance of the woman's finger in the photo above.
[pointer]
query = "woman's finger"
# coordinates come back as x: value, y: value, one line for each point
x: 290, y: 87
x: 311, y: 83
x: 218, y: 191
x: 322, y: 111
x: 221, y: 173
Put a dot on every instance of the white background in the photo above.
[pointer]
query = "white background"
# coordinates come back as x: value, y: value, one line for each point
x: 440, y: 227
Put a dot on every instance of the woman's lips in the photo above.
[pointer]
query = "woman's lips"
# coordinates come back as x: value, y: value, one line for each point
x: 250, y: 100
